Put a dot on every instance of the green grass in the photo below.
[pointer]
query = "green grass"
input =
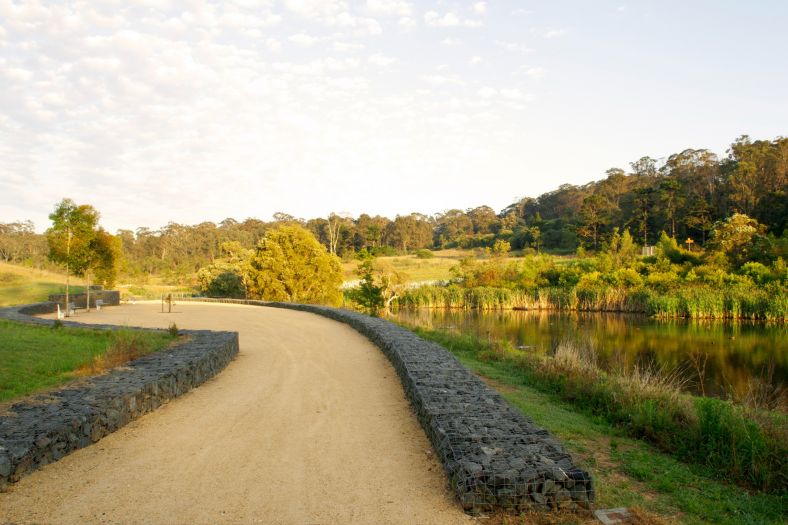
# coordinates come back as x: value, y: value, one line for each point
x: 629, y: 472
x: 414, y: 269
x: 34, y: 358
x: 22, y: 285
x: 411, y: 267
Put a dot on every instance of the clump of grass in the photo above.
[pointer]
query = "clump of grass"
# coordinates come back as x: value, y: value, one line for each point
x: 126, y: 346
x: 739, y: 443
x: 173, y: 330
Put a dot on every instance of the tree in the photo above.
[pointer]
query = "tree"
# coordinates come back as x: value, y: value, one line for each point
x: 501, y: 248
x: 670, y: 196
x: 228, y: 276
x: 594, y: 215
x: 336, y: 223
x: 368, y: 294
x: 536, y: 237
x: 70, y: 237
x: 16, y: 240
x: 643, y: 203
x: 107, y: 253
x: 738, y: 237
x: 644, y: 167
x: 289, y: 264
x: 410, y: 231
x: 483, y: 220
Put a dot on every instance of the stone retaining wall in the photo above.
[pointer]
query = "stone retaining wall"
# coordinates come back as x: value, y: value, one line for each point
x: 42, y: 429
x: 494, y: 456
x: 110, y: 298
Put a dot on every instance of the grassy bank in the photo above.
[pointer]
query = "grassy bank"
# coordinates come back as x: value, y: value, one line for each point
x: 22, y: 285
x: 33, y: 358
x: 628, y: 472
x: 745, y: 445
x: 692, y: 302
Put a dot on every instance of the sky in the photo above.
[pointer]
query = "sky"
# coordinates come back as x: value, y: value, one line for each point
x: 189, y: 111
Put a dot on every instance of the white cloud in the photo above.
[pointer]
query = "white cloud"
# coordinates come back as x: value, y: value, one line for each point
x: 316, y: 8
x: 361, y: 26
x: 380, y: 59
x: 302, y: 39
x: 480, y: 8
x: 407, y: 22
x: 512, y: 94
x: 347, y: 46
x: 443, y: 80
x: 17, y: 73
x: 317, y: 67
x: 475, y: 60
x: 389, y: 7
x: 514, y: 47
x: 273, y: 44
x: 449, y: 19
x: 534, y: 72
x: 554, y: 33
x: 451, y: 42
x: 487, y: 92
x: 109, y: 100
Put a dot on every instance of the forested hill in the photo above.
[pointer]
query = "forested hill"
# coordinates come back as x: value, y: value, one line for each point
x: 683, y: 195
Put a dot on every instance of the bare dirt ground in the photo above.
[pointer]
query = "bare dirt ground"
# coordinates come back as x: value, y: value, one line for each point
x: 309, y: 425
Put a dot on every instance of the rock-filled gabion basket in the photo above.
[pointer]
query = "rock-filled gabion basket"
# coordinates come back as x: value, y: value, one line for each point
x: 41, y: 429
x: 494, y: 456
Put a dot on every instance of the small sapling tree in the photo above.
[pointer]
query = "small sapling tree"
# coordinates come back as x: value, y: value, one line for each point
x: 368, y: 295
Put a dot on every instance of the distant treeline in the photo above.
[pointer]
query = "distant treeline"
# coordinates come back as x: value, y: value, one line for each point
x: 683, y: 195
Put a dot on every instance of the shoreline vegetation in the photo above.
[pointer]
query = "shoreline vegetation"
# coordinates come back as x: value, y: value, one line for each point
x: 629, y: 472
x: 743, y: 443
x: 672, y: 283
x: 698, y: 302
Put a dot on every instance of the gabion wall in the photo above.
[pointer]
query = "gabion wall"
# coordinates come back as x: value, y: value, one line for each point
x: 494, y: 456
x: 110, y: 298
x: 44, y: 428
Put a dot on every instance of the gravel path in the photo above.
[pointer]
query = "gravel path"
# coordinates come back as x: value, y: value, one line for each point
x: 308, y: 425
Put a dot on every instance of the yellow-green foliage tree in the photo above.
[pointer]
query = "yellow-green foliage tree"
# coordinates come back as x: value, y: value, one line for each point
x: 78, y: 243
x: 289, y: 264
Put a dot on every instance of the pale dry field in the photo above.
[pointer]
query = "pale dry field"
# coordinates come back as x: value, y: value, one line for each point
x: 309, y: 424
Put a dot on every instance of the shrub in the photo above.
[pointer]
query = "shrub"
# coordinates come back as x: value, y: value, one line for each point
x: 756, y: 271
x: 424, y: 254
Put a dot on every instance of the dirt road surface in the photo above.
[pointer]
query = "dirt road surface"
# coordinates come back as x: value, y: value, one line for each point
x: 309, y: 425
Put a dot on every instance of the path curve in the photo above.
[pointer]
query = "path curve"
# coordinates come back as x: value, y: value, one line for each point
x: 308, y: 425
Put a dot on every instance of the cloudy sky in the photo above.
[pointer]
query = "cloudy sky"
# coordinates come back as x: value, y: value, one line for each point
x: 156, y: 111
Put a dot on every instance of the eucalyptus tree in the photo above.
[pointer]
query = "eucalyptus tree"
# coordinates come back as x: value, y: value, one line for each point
x: 70, y: 237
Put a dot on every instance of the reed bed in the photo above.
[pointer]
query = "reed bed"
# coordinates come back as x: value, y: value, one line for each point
x: 701, y: 302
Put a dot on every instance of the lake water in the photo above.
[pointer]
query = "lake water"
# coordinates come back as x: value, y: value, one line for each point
x: 734, y: 353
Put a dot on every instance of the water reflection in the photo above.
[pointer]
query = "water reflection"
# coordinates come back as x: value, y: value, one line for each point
x: 726, y: 355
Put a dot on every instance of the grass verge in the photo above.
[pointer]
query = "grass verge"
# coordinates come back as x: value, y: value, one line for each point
x: 34, y: 358
x: 629, y: 472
